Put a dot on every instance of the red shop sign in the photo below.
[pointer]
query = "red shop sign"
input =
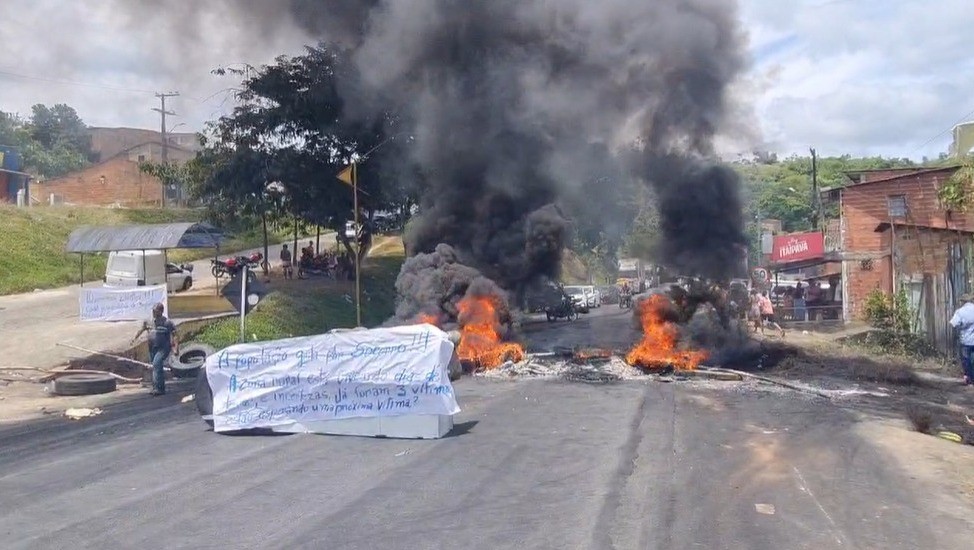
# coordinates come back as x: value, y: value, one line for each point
x: 797, y: 247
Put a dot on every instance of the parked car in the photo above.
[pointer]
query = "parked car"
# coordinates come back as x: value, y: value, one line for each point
x: 594, y: 296
x: 128, y: 268
x: 582, y: 297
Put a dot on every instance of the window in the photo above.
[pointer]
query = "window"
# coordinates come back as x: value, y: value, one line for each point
x: 897, y: 206
x: 141, y: 158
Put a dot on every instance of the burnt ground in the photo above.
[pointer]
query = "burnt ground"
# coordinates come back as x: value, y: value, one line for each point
x: 927, y: 391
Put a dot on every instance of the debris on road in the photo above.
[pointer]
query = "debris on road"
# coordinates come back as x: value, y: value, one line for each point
x: 767, y: 509
x: 77, y: 414
x: 950, y: 436
x: 187, y: 399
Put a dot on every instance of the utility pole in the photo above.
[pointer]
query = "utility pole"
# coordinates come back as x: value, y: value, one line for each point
x: 162, y: 111
x: 815, y: 198
x: 165, y: 140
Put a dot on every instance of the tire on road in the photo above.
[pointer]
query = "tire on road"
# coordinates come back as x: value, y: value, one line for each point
x: 85, y: 384
x: 204, y: 397
x: 190, y: 360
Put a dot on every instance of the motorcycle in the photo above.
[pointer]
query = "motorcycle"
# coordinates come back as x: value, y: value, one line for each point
x: 564, y: 310
x: 233, y: 266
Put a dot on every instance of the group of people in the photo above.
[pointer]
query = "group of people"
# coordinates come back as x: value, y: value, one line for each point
x: 334, y: 265
x: 805, y: 302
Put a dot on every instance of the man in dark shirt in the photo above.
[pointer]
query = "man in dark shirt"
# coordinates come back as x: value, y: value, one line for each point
x: 162, y: 341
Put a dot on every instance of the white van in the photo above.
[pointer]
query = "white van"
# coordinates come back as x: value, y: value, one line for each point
x: 126, y: 268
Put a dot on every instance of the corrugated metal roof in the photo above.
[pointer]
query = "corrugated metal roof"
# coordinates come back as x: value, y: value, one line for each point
x: 143, y: 237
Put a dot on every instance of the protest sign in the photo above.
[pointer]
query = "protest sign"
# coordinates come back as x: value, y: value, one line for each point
x: 121, y: 304
x: 362, y: 373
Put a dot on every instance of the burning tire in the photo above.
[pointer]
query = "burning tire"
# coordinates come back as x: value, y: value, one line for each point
x: 85, y: 384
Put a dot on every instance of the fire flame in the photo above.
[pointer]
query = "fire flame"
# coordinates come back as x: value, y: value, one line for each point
x: 480, y: 340
x: 427, y: 318
x: 658, y: 349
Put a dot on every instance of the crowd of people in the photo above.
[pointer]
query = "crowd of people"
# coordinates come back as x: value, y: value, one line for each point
x: 329, y: 264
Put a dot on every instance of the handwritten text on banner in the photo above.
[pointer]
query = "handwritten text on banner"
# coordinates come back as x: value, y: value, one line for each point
x: 361, y: 373
x: 120, y: 304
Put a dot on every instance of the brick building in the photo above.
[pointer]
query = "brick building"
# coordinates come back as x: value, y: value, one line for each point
x: 116, y: 181
x: 895, y: 235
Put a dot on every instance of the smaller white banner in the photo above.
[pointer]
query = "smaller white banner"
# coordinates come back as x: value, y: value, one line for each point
x: 121, y: 304
x: 363, y: 373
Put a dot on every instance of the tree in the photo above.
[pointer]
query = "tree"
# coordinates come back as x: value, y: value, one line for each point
x: 293, y: 127
x: 957, y: 193
x: 53, y: 142
x: 59, y: 128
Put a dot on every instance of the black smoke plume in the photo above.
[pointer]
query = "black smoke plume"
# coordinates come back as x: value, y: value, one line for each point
x: 510, y: 103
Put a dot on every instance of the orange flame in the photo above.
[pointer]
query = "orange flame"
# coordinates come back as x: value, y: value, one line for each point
x: 480, y: 340
x: 427, y: 318
x: 658, y: 349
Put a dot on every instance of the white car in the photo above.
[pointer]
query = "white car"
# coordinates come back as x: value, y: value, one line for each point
x: 582, y: 298
x: 352, y: 231
x: 179, y: 277
x: 593, y: 296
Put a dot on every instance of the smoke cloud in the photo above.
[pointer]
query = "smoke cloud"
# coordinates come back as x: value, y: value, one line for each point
x: 511, y: 103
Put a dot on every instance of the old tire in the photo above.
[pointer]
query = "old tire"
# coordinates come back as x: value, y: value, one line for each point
x: 187, y: 284
x: 204, y: 397
x: 85, y: 384
x: 190, y: 359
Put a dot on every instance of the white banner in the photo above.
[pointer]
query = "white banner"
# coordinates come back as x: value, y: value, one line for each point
x: 362, y: 373
x: 121, y: 304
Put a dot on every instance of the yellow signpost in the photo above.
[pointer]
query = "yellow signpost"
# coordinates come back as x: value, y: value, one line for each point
x: 350, y: 177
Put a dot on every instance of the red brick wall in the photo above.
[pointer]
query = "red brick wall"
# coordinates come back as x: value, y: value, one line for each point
x: 864, y: 207
x: 116, y: 181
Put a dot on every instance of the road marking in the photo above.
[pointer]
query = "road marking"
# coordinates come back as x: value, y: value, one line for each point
x: 803, y: 486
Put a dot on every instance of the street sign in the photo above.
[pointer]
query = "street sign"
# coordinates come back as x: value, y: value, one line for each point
x: 255, y: 290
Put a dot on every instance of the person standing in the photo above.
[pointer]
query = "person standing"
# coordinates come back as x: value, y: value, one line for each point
x: 767, y: 313
x: 801, y: 314
x: 286, y: 262
x: 963, y: 323
x: 162, y: 342
x: 754, y: 311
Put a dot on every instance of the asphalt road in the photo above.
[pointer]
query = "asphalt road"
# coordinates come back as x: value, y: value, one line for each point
x: 606, y: 327
x: 34, y: 323
x: 531, y: 464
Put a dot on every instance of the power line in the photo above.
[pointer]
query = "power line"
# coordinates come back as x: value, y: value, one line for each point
x: 73, y: 82
x: 66, y: 82
x: 963, y: 119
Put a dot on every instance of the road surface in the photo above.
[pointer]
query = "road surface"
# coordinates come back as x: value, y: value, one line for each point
x: 33, y: 323
x: 532, y: 464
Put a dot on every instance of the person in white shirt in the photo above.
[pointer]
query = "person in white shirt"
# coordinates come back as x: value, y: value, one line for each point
x: 963, y: 323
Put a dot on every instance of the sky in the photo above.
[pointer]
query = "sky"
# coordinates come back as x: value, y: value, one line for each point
x: 858, y: 77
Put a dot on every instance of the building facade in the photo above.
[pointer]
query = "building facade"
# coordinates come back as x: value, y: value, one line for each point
x: 896, y: 235
x: 117, y: 181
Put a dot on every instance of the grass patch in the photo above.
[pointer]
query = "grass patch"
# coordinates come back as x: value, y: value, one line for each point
x: 301, y: 308
x: 34, y: 239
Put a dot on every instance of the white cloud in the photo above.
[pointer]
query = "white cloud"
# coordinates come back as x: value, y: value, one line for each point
x: 886, y: 77
x: 863, y: 77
